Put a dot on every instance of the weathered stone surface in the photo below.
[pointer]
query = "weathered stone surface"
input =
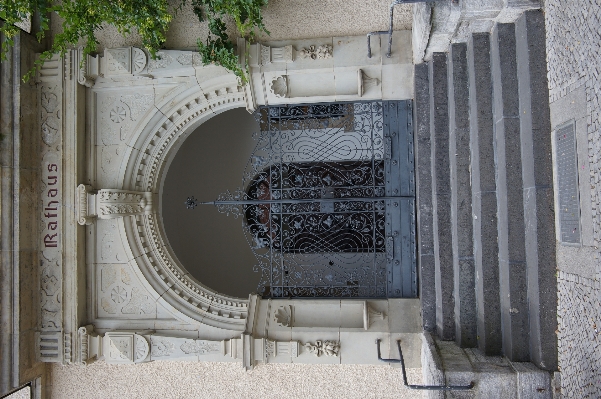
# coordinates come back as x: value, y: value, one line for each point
x: 461, y: 197
x: 512, y: 256
x: 484, y: 199
x: 423, y: 161
x: 441, y: 190
x: 574, y: 60
x: 537, y: 176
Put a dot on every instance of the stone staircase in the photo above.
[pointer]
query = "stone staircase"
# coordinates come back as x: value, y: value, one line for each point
x: 486, y: 223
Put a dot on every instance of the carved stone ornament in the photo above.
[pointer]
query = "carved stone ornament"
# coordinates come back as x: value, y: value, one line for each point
x: 366, y: 83
x: 126, y: 347
x: 269, y: 348
x: 202, y: 347
x: 284, y: 316
x: 113, y: 62
x: 141, y: 348
x: 276, y: 54
x: 281, y: 348
x: 110, y: 204
x: 162, y: 61
x: 279, y: 86
x: 190, y: 58
x: 161, y: 346
x: 142, y: 172
x: 370, y: 315
x: 86, y: 335
x: 316, y: 52
x: 327, y: 348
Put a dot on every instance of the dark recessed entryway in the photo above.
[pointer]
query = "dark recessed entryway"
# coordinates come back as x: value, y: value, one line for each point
x: 210, y: 245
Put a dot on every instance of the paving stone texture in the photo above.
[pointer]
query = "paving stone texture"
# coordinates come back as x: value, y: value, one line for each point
x: 579, y: 319
x: 574, y: 61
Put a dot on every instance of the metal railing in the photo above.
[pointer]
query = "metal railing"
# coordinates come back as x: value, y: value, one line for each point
x: 389, y: 31
x: 420, y: 387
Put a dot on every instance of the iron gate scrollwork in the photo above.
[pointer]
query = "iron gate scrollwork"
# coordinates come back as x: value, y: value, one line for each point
x: 328, y: 200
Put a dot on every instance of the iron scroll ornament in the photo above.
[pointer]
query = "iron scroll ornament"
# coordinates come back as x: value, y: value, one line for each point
x: 316, y: 202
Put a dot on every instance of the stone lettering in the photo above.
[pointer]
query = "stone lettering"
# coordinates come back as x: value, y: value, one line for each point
x: 49, y: 240
x: 51, y: 207
x: 48, y: 208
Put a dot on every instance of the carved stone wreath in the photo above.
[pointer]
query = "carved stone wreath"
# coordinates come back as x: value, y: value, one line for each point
x: 327, y: 348
x: 316, y: 52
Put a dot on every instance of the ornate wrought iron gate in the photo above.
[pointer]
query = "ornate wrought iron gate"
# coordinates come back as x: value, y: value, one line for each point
x: 328, y: 200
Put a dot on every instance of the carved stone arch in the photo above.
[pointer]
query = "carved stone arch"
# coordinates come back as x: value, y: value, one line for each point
x: 153, y: 145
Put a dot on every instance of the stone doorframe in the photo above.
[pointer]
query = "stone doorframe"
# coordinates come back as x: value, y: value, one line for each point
x: 139, y: 111
x: 157, y: 140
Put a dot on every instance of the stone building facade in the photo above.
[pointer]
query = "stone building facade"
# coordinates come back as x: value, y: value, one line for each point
x: 89, y: 274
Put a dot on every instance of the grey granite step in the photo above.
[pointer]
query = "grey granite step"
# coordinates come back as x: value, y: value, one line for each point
x: 441, y: 196
x: 510, y: 209
x: 484, y: 195
x: 423, y: 162
x: 461, y: 198
x: 537, y: 176
x: 493, y: 376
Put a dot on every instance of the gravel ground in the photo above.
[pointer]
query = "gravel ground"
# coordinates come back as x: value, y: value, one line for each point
x: 24, y: 393
x: 574, y: 60
x: 164, y: 380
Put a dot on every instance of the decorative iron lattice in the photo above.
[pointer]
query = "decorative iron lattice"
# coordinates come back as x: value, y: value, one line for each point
x: 324, y: 192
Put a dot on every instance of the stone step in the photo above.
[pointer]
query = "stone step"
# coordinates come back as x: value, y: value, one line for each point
x: 537, y: 177
x: 510, y: 209
x: 493, y: 376
x: 461, y: 198
x: 423, y: 162
x: 484, y: 195
x: 441, y: 197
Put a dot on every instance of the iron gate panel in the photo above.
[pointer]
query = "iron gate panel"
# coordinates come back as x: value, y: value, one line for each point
x: 328, y: 200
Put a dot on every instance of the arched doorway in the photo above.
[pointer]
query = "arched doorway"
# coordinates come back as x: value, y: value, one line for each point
x: 211, y: 247
x: 328, y: 201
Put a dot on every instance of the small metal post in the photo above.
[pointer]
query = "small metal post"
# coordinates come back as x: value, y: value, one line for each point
x: 389, y: 53
x: 420, y: 387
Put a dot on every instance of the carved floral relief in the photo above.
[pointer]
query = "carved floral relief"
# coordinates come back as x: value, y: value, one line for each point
x: 327, y: 348
x: 161, y: 346
x: 284, y: 316
x: 316, y: 52
x: 119, y: 295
